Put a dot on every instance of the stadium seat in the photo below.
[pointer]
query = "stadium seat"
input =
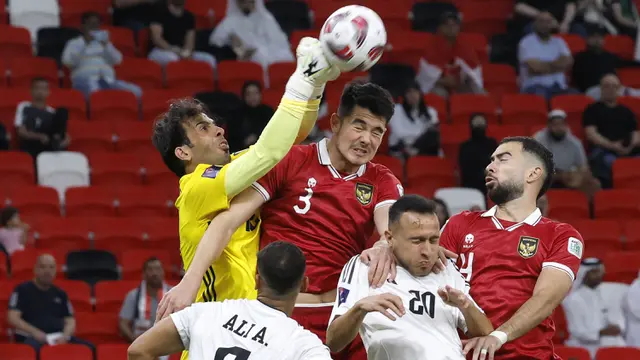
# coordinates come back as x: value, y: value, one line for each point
x: 112, y: 351
x: 574, y: 42
x: 617, y: 353
x: 66, y: 352
x: 145, y: 73
x: 572, y: 353
x: 62, y: 169
x: 190, y: 75
x: 117, y: 235
x: 290, y: 14
x: 89, y: 201
x: 500, y: 132
x: 524, y: 109
x: 91, y: 136
x: 111, y: 294
x: 499, y: 79
x: 476, y: 41
x: 162, y: 233
x: 62, y: 234
x: 72, y: 100
x: 617, y: 204
x: 22, y: 262
x: 35, y: 200
x: 114, y: 106
x: 631, y: 102
x: 143, y: 201
x: 477, y: 20
x: 133, y: 136
x: 632, y: 235
x: 4, y: 262
x: 451, y: 136
x: 439, y: 104
x: 156, y: 102
x: 395, y: 15
x: 14, y: 42
x: 621, y: 266
x: 392, y: 163
x: 132, y: 261
x: 405, y: 47
x: 24, y: 69
x: 626, y: 173
x: 573, y: 105
x: 6, y: 289
x: 51, y: 41
x: 17, y: 351
x: 432, y: 170
x: 233, y: 74
x: 34, y: 14
x: 279, y: 74
x: 115, y: 169
x: 620, y: 45
x: 630, y: 77
x: 123, y: 39
x: 560, y: 322
x: 271, y: 97
x: 98, y: 328
x: 204, y: 13
x: 459, y: 199
x: 16, y: 168
x: 71, y: 11
x: 567, y: 204
x: 9, y: 100
x: 91, y: 266
x: 156, y: 171
x: 464, y: 105
x: 600, y: 236
x: 78, y: 292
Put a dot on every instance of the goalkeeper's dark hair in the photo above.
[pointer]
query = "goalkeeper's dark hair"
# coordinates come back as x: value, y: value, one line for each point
x: 411, y: 203
x: 281, y: 265
x: 169, y: 132
x: 366, y: 95
x: 540, y: 152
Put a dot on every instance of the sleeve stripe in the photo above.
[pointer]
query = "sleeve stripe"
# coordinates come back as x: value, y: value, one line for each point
x: 384, y: 203
x: 562, y: 267
x: 345, y: 270
x: 259, y: 188
x: 348, y: 271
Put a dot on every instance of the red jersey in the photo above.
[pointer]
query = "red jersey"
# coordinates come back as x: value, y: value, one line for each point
x: 328, y: 215
x: 502, y: 261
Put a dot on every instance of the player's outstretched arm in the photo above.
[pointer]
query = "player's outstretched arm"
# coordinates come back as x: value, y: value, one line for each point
x: 298, y: 109
x: 213, y: 242
x: 162, y: 339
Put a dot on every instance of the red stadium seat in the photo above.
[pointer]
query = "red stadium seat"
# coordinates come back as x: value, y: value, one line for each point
x: 617, y: 204
x: 621, y: 266
x: 17, y: 352
x: 123, y: 39
x: 524, y: 109
x: 71, y: 11
x: 111, y: 294
x: 477, y: 41
x: 156, y: 102
x: 478, y: 20
x: 432, y: 170
x: 143, y: 201
x: 573, y: 105
x: 6, y: 289
x: 35, y: 200
x: 3, y: 265
x: 279, y: 74
x: 71, y: 99
x: 203, y: 12
x: 405, y: 47
x: 394, y: 14
x: 567, y: 204
x: 271, y: 97
x: 156, y: 172
x: 133, y: 137
x: 629, y: 77
x: 14, y: 41
x: 451, y: 136
x: 632, y: 235
x: 9, y: 100
x: 600, y: 236
x: 91, y: 136
x: 145, y: 73
x: 560, y: 322
x: 618, y: 353
x: 575, y: 43
x: 115, y: 169
x: 79, y: 293
x: 117, y: 234
x: 439, y: 104
x: 24, y: 69
x: 98, y: 328
x: 626, y: 173
x: 62, y: 234
x: 22, y: 262
x: 132, y: 261
x: 500, y: 79
x: 90, y: 201
x: 572, y: 353
x: 464, y: 105
x: 500, y: 132
x: 392, y: 163
x: 112, y: 351
x: 114, y: 106
x: 190, y: 75
x: 620, y: 45
x: 162, y: 233
x: 16, y: 168
x: 233, y: 74
x: 67, y: 351
x: 631, y: 102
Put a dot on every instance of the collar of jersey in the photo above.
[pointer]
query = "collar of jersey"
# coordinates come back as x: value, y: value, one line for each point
x: 532, y: 219
x: 324, y: 159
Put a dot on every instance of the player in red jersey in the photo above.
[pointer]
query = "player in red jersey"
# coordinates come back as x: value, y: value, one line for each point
x: 520, y: 265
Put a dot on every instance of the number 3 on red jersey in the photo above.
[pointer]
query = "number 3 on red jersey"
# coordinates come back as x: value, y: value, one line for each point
x: 306, y: 198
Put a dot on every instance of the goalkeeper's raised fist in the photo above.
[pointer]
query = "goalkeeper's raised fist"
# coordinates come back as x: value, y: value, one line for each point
x: 312, y: 72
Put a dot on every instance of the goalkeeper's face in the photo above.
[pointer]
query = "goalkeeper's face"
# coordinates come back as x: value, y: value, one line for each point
x: 208, y: 145
x: 358, y: 135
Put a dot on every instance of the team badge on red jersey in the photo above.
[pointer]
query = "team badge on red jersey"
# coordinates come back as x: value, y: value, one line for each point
x: 364, y: 193
x: 527, y: 246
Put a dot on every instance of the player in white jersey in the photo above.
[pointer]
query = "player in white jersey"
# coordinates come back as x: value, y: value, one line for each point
x: 415, y: 316
x: 243, y: 329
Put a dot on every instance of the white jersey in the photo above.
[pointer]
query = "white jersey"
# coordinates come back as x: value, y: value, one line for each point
x: 428, y: 330
x: 245, y: 330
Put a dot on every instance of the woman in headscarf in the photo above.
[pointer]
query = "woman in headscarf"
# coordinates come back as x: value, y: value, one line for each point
x: 252, y: 118
x: 253, y: 33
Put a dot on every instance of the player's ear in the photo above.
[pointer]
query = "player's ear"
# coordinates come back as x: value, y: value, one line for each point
x: 183, y: 153
x: 304, y: 284
x: 388, y: 236
x: 335, y: 122
x: 257, y: 281
x: 534, y: 174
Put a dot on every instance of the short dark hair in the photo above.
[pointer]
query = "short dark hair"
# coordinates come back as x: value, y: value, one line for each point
x: 281, y: 265
x: 7, y: 214
x: 367, y: 95
x: 88, y: 15
x: 535, y: 148
x: 248, y: 83
x: 146, y: 263
x: 169, y: 133
x: 411, y: 203
x: 38, y: 79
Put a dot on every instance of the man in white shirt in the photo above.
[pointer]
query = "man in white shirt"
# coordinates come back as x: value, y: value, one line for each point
x: 246, y: 329
x: 416, y: 315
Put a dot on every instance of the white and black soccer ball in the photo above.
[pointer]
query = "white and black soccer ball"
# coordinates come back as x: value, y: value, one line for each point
x: 353, y: 38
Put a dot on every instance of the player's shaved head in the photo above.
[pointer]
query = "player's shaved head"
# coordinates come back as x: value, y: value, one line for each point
x: 281, y: 268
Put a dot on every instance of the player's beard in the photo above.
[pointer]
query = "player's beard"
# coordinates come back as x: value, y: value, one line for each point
x: 504, y: 192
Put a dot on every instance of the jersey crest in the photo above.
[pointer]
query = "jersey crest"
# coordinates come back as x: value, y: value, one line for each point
x: 343, y: 293
x: 528, y: 246
x: 364, y: 193
x: 211, y: 172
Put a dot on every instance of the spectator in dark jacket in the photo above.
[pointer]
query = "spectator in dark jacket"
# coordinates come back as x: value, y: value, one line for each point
x: 475, y: 153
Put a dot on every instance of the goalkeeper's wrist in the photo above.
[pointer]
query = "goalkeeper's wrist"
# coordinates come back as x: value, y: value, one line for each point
x: 300, y: 89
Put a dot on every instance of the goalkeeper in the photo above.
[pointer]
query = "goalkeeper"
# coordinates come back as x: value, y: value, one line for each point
x: 194, y: 148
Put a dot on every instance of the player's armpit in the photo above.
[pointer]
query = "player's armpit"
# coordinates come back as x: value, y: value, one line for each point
x: 551, y: 287
x: 162, y: 339
x: 274, y: 143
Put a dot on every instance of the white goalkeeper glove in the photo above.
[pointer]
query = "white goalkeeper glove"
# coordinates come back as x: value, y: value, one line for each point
x: 312, y: 72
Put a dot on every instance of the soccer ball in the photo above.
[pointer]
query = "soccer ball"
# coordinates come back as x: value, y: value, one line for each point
x: 353, y: 38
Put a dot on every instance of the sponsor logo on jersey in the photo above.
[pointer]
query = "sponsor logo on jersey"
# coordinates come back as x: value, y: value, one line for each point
x: 364, y: 193
x: 468, y: 241
x: 527, y: 246
x: 343, y: 293
x: 211, y: 172
x: 575, y: 247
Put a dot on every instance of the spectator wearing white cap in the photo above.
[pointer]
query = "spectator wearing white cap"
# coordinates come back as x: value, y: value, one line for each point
x: 572, y: 167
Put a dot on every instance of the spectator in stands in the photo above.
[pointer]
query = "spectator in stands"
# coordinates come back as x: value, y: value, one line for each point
x: 40, y: 311
x: 173, y: 35
x: 619, y: 16
x: 414, y: 126
x: 91, y: 58
x: 544, y: 59
x: 611, y: 130
x: 138, y: 311
x: 442, y: 211
x: 252, y: 118
x: 562, y: 15
x: 13, y: 231
x: 572, y: 167
x: 39, y: 126
x: 253, y: 33
x: 592, y: 323
x: 631, y: 308
x: 450, y: 66
x: 475, y: 153
x: 134, y: 14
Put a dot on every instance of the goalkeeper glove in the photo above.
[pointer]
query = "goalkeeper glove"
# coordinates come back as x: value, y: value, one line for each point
x: 312, y: 72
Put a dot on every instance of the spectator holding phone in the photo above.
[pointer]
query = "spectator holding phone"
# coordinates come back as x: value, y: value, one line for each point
x: 91, y: 57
